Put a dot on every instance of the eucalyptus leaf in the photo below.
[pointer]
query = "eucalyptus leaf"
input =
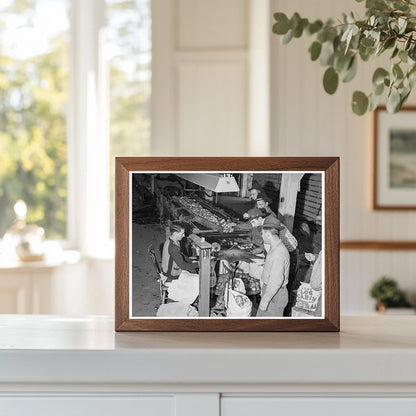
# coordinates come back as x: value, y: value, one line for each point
x: 400, y: 5
x: 411, y: 76
x: 359, y: 103
x: 315, y: 50
x: 367, y: 42
x: 341, y: 62
x: 294, y: 21
x: 404, y: 96
x: 380, y: 49
x: 353, y: 31
x: 298, y: 30
x: 327, y: 54
x: 350, y: 18
x: 389, y: 43
x: 394, y: 26
x: 331, y: 33
x: 351, y: 71
x: 330, y: 80
x: 355, y: 41
x: 397, y: 71
x: 395, y: 52
x: 411, y: 79
x: 337, y: 43
x: 383, y: 18
x: 322, y: 36
x: 376, y: 4
x: 374, y: 102
x: 288, y: 37
x: 379, y: 75
x: 412, y: 52
x: 408, y: 42
x: 402, y: 22
x: 378, y: 89
x: 281, y: 26
x: 314, y: 27
x: 403, y: 56
x: 376, y: 36
x: 346, y: 34
x: 393, y: 101
x: 412, y: 70
x: 366, y: 53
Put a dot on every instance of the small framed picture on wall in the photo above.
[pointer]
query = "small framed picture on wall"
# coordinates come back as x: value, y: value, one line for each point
x: 394, y: 159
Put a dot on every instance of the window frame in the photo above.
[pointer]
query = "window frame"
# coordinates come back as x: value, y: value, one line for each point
x: 87, y: 133
x: 87, y: 128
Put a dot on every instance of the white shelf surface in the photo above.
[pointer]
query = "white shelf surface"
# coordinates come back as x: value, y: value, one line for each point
x: 52, y: 349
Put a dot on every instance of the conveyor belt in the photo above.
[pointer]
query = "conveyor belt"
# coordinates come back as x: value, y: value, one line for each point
x: 234, y: 234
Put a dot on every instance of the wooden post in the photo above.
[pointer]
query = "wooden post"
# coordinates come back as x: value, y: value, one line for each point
x: 244, y: 185
x: 250, y: 180
x: 289, y: 189
x: 152, y: 184
x: 204, y: 273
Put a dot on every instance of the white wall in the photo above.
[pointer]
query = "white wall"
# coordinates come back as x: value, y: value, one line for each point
x: 200, y: 77
x: 308, y: 122
x: 206, y: 82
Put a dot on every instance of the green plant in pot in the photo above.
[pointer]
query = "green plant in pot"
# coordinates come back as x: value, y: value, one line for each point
x: 389, y: 27
x: 387, y: 294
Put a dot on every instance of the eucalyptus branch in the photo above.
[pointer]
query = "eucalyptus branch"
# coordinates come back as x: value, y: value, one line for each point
x: 388, y: 26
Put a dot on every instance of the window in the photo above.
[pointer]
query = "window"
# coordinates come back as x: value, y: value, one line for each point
x: 33, y: 97
x: 129, y: 46
x: 75, y: 87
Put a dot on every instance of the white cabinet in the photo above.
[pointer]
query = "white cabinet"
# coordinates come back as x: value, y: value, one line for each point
x: 80, y: 366
x: 88, y: 406
x: 311, y: 406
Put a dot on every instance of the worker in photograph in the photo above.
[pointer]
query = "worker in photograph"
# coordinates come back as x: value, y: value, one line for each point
x: 285, y: 235
x: 263, y: 203
x: 255, y: 267
x: 173, y: 260
x: 275, y: 275
x: 256, y: 217
x: 316, y: 279
x: 304, y: 237
x: 254, y: 193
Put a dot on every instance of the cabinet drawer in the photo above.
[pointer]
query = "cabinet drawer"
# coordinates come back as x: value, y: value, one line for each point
x: 87, y: 406
x: 272, y: 406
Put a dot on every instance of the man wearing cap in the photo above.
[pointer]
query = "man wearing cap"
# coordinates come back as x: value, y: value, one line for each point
x: 285, y: 235
x: 275, y: 276
x: 254, y: 194
x: 262, y: 202
x: 255, y: 268
x: 256, y: 220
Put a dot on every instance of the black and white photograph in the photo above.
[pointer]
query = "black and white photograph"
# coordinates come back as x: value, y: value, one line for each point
x: 226, y: 244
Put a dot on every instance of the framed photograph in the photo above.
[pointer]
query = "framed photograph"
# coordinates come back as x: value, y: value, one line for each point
x: 227, y: 244
x: 394, y: 179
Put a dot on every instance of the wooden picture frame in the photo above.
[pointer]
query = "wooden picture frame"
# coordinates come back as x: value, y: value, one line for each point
x: 242, y: 167
x: 394, y: 146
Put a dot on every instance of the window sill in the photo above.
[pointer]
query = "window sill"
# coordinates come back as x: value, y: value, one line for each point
x: 8, y: 262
